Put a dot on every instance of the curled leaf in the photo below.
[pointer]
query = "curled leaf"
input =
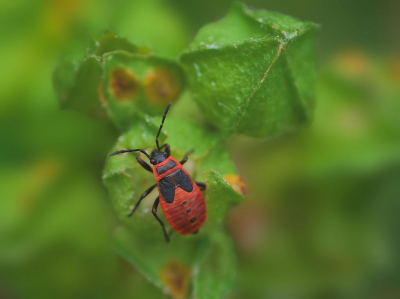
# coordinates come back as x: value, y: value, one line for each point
x: 76, y: 85
x: 118, y: 79
x: 220, y: 197
x: 126, y: 180
x: 140, y: 239
x: 148, y: 83
x: 253, y: 72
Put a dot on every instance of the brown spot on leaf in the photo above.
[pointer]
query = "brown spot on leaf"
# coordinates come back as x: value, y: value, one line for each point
x: 161, y: 87
x: 176, y: 276
x: 123, y: 84
x: 236, y: 183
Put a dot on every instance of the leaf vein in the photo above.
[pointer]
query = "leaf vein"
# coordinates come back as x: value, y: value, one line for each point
x: 248, y: 100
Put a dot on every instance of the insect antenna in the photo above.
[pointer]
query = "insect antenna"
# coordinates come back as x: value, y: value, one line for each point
x: 129, y: 151
x: 162, y: 123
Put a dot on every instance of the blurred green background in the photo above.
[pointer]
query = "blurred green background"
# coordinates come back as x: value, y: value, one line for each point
x: 322, y: 216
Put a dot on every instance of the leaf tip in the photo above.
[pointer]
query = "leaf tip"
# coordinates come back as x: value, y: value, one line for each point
x: 237, y: 183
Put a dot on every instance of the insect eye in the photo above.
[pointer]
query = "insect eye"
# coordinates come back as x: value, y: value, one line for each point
x: 151, y: 161
x: 165, y: 155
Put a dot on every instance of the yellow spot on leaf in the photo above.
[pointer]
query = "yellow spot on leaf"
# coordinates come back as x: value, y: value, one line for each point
x: 123, y: 84
x: 175, y: 276
x: 236, y: 183
x: 161, y: 87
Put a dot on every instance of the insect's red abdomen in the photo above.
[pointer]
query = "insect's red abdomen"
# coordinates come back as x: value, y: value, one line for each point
x: 187, y: 212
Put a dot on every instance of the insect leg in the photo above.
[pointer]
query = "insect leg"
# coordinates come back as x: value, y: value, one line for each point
x: 186, y: 157
x: 144, y: 165
x: 201, y: 185
x: 154, y: 210
x: 167, y: 149
x: 140, y: 199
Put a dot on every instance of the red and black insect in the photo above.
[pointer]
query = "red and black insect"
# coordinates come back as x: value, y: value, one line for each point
x: 180, y: 196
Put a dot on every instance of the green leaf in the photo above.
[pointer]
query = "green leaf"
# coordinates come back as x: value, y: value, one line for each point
x: 220, y: 197
x: 126, y: 180
x: 138, y: 83
x: 118, y: 79
x: 215, y: 271
x: 76, y: 85
x: 140, y: 239
x: 253, y: 72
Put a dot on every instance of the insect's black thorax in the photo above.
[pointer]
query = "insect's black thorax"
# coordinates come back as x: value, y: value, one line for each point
x: 164, y: 168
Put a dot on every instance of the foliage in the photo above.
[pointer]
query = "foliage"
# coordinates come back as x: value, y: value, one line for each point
x: 252, y: 73
x: 321, y: 216
x: 116, y: 78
